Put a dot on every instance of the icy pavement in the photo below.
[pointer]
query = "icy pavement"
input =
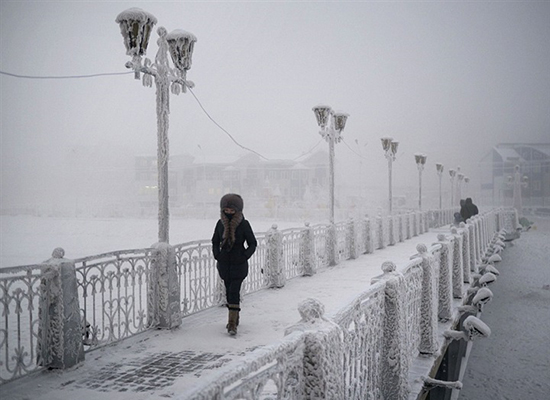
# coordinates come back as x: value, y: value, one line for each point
x: 514, y: 362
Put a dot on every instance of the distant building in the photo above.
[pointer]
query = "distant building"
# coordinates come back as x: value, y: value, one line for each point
x: 199, y: 182
x: 497, y: 168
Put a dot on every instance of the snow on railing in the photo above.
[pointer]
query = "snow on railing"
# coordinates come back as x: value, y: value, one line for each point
x: 277, y: 368
x: 119, y: 296
x: 112, y: 292
x: 374, y: 339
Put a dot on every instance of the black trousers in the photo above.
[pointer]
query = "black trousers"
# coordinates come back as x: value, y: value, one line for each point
x: 233, y: 290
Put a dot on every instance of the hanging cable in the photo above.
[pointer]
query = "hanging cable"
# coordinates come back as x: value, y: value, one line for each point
x: 65, y: 77
x: 190, y: 90
x: 353, y: 151
x: 219, y: 126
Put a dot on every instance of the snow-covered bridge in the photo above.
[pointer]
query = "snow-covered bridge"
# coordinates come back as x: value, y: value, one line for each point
x: 346, y: 331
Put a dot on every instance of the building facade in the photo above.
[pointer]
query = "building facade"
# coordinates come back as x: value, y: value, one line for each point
x: 497, y: 171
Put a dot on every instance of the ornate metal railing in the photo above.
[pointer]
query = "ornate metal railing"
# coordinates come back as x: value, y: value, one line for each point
x: 198, y: 278
x: 412, y: 302
x: 20, y: 289
x: 362, y: 325
x: 114, y: 295
x: 291, y: 252
x: 274, y: 371
x: 112, y: 291
x: 256, y: 280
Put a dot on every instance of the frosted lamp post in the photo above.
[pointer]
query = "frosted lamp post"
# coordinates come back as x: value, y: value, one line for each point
x: 390, y: 150
x: 420, y: 162
x: 460, y: 177
x: 517, y: 184
x: 439, y: 168
x: 135, y: 27
x: 452, y: 174
x: 332, y: 124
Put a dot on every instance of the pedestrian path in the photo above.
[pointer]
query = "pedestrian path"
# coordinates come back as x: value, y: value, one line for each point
x: 161, y: 364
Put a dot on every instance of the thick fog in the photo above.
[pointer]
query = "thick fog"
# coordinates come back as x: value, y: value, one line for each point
x: 447, y: 79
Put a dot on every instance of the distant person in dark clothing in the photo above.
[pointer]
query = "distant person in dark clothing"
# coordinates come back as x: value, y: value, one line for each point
x: 472, y: 208
x: 228, y: 246
x: 464, y: 214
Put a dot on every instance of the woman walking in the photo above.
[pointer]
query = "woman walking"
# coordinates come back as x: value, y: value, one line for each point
x: 228, y: 245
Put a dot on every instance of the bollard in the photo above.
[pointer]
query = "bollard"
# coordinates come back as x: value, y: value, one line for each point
x: 60, y: 332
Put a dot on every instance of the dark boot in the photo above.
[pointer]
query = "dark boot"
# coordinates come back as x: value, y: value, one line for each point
x: 233, y: 321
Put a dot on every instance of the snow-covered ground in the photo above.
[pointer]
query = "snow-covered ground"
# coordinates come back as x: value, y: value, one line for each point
x: 29, y: 240
x: 514, y: 362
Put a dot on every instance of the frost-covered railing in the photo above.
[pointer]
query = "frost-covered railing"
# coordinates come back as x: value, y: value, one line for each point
x: 374, y: 339
x: 21, y: 292
x: 272, y: 369
x: 121, y: 294
x: 112, y: 292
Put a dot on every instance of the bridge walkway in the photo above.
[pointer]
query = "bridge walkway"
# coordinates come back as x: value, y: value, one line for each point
x: 161, y: 364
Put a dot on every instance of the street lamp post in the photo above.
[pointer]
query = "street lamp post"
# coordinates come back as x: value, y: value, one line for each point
x: 331, y: 131
x: 517, y: 184
x: 439, y: 168
x: 452, y: 174
x: 390, y: 149
x: 460, y: 177
x: 135, y: 26
x: 466, y: 182
x: 420, y: 162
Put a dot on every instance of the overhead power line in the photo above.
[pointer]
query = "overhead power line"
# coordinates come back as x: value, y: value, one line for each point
x: 65, y: 76
x: 190, y: 90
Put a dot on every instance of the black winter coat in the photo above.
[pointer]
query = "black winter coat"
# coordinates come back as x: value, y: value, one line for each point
x: 233, y: 262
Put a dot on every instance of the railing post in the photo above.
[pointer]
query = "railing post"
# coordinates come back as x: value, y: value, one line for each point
x: 380, y: 232
x: 323, y: 353
x: 401, y: 236
x: 445, y: 279
x: 458, y: 265
x: 164, y: 294
x: 471, y: 231
x: 428, y: 318
x: 465, y: 233
x: 415, y: 225
x: 351, y: 241
x: 60, y: 329
x: 307, y: 252
x: 408, y: 224
x: 427, y: 221
x: 420, y: 215
x: 394, y: 359
x: 391, y: 231
x: 332, y: 245
x: 274, y: 263
x: 367, y: 235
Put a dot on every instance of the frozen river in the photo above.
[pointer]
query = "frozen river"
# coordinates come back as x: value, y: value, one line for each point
x: 30, y: 240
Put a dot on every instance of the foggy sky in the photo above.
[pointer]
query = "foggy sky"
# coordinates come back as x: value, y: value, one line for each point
x: 448, y: 79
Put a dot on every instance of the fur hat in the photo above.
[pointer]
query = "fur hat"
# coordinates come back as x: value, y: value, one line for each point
x: 232, y: 200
